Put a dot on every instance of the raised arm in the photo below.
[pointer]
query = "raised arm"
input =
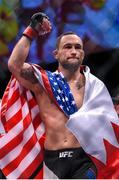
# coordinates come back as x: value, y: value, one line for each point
x: 39, y: 25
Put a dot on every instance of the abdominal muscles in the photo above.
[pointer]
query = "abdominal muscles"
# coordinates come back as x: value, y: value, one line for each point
x: 57, y: 134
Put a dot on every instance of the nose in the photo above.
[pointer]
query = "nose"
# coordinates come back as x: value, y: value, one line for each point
x: 73, y: 50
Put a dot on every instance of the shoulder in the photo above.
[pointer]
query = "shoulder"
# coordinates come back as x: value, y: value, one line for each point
x: 93, y: 82
x: 91, y: 76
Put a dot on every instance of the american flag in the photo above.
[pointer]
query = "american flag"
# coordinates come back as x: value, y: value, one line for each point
x: 22, y: 130
x: 62, y: 93
x: 21, y: 142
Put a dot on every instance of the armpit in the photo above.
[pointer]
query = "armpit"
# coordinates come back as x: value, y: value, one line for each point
x: 28, y: 74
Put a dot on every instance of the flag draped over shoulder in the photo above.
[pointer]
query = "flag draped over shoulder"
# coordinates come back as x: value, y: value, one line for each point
x: 22, y: 131
x: 22, y: 134
x: 96, y: 126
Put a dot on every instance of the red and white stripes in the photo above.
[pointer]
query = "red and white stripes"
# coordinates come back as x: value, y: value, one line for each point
x: 20, y: 149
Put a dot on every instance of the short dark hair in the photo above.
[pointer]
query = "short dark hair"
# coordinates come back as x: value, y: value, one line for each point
x: 63, y: 34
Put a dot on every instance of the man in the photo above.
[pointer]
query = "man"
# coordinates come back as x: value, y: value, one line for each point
x: 70, y: 55
x: 72, y: 94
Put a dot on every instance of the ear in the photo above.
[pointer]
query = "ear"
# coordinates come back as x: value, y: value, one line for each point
x: 55, y: 54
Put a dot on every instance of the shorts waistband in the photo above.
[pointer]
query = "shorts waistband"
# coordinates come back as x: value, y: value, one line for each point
x: 60, y: 153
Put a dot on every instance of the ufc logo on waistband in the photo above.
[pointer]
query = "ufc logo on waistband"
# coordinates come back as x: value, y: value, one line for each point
x: 65, y: 154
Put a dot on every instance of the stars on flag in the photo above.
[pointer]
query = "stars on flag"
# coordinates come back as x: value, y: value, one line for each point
x: 62, y: 92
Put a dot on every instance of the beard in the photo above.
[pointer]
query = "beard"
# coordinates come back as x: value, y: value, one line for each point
x: 71, y: 66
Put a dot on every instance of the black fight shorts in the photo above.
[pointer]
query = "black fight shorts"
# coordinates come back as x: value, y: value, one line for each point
x: 71, y: 163
x: 2, y: 175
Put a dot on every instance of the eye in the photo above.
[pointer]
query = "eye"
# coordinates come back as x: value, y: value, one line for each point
x: 68, y: 46
x: 78, y: 46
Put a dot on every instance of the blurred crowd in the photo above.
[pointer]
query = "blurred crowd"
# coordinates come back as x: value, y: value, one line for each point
x: 76, y: 15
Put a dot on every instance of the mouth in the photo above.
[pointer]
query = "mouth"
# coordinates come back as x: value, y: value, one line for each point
x: 73, y: 58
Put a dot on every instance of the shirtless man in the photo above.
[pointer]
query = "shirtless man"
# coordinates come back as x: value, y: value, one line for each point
x: 63, y: 154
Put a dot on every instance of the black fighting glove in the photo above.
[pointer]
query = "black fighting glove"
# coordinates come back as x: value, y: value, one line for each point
x: 32, y: 30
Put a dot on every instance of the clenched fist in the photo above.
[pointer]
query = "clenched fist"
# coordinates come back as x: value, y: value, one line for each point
x: 39, y: 25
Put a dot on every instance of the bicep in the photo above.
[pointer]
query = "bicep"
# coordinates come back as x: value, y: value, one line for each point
x: 26, y: 76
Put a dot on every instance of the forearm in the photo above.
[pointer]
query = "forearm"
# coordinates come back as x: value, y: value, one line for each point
x: 39, y: 25
x: 19, y: 54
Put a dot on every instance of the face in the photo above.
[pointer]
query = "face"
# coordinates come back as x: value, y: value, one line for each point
x: 70, y: 53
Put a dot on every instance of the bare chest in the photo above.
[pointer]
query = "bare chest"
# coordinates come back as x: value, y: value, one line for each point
x: 77, y: 90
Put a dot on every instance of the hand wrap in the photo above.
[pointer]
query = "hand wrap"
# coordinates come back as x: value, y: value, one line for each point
x: 31, y: 31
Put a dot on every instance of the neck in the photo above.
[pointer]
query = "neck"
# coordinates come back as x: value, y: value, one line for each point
x: 70, y: 75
